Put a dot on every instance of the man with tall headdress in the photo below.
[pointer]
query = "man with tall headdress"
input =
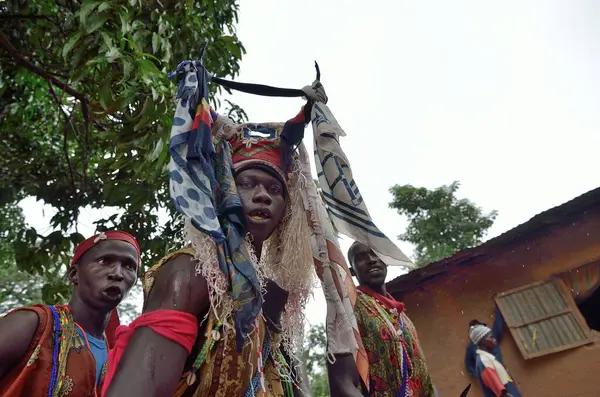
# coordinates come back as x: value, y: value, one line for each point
x: 224, y: 316
x: 61, y: 350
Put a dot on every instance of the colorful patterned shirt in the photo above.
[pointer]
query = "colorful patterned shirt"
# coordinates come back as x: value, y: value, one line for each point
x: 396, y: 361
x: 70, y: 372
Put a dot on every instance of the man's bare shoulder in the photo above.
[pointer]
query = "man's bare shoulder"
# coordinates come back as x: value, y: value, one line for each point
x: 24, y: 318
x: 17, y: 331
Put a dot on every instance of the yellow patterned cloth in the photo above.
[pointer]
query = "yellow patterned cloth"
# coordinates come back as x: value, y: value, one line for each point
x: 224, y: 372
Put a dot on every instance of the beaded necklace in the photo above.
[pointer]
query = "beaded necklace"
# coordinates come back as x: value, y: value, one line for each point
x: 64, y: 332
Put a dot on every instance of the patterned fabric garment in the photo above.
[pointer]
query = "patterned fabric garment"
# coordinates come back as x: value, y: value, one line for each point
x: 70, y: 368
x: 493, y: 377
x: 203, y: 190
x: 216, y: 369
x: 396, y: 362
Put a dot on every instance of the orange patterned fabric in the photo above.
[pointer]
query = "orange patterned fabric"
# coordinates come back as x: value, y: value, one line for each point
x: 31, y: 376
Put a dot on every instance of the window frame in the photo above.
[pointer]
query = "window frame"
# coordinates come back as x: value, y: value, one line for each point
x: 571, y: 307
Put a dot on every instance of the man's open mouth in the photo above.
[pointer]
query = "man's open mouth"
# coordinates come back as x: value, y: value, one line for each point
x: 113, y: 292
x: 259, y: 215
x: 375, y: 270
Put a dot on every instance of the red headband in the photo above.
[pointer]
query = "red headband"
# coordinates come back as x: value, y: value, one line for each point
x: 103, y: 236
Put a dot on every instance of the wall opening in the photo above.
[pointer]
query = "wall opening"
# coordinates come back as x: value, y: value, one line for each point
x: 590, y: 308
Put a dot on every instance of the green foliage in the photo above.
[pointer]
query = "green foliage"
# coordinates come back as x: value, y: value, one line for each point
x: 85, y: 114
x: 440, y: 224
x: 17, y: 288
x: 315, y: 357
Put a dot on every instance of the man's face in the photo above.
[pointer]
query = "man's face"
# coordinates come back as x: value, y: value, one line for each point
x: 488, y: 342
x: 105, y: 274
x: 263, y: 199
x: 368, y: 268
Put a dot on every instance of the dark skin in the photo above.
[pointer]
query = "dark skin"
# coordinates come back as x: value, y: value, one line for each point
x: 263, y: 199
x: 152, y: 365
x: 370, y: 271
x: 101, y: 279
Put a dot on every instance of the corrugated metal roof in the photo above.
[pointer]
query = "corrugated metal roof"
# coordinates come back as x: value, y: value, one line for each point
x: 537, y: 225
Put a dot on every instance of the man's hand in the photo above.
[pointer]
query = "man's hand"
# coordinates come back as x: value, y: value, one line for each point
x: 274, y: 304
x: 343, y: 377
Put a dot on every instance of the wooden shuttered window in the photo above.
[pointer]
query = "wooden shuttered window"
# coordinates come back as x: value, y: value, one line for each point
x: 543, y: 318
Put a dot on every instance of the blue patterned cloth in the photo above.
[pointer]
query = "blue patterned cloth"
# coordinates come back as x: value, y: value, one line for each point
x: 203, y: 190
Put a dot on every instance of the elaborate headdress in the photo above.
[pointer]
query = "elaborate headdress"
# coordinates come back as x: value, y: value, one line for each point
x: 205, y: 148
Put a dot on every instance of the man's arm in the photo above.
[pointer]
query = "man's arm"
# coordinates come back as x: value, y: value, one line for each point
x: 470, y: 359
x: 344, y: 380
x: 16, y: 333
x: 151, y: 364
x: 498, y: 327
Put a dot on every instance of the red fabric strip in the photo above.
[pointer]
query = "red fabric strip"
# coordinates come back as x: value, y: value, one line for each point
x: 110, y: 235
x: 179, y: 327
x: 388, y: 300
x: 490, y: 378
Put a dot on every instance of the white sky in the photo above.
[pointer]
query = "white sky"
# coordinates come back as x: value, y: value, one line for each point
x: 500, y: 96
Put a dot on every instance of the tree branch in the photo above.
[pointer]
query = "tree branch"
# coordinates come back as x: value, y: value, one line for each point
x: 20, y: 60
x: 66, y: 144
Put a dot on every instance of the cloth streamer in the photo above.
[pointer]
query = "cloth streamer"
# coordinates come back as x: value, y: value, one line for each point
x: 179, y: 327
x: 345, y: 204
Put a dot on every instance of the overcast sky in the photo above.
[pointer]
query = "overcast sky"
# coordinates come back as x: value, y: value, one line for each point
x: 502, y: 97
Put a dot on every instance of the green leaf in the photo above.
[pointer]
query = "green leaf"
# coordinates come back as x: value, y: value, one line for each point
x: 86, y: 9
x: 55, y: 238
x: 104, y: 6
x: 158, y: 149
x: 70, y: 44
x: 76, y: 238
x: 107, y: 39
x: 106, y: 98
x: 148, y: 69
x: 127, y: 69
x: 113, y: 54
x: 95, y: 21
x: 146, y: 115
x: 155, y: 42
x: 231, y: 46
x: 124, y: 18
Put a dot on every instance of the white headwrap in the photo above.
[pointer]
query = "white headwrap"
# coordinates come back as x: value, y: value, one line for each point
x: 478, y: 332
